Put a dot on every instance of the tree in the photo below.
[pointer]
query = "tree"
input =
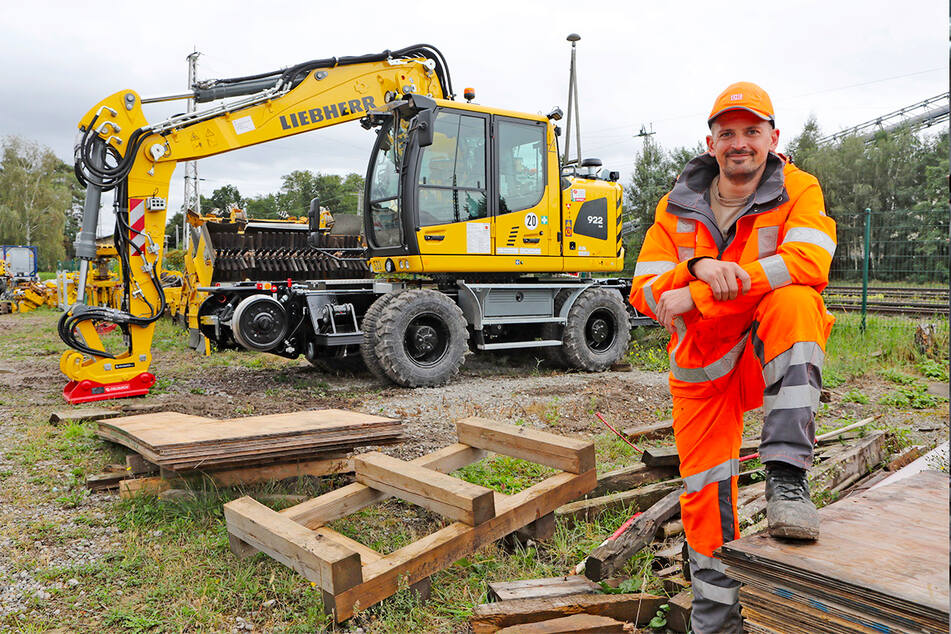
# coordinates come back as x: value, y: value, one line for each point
x: 35, y: 197
x: 336, y: 193
x: 655, y: 171
x: 221, y: 199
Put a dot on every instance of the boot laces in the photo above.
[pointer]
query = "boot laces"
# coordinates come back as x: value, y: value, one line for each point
x: 789, y: 484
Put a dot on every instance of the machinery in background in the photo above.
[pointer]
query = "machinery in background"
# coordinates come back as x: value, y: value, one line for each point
x: 471, y: 222
x: 20, y: 287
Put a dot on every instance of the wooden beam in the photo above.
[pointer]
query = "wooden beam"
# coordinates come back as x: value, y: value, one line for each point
x: 678, y: 619
x: 234, y: 477
x: 667, y: 456
x: 353, y: 497
x: 605, y: 560
x: 627, y: 478
x: 854, y: 461
x: 82, y: 413
x: 636, y: 608
x: 567, y: 454
x: 333, y: 567
x: 639, y: 499
x: 650, y: 431
x: 439, y: 550
x: 450, y: 497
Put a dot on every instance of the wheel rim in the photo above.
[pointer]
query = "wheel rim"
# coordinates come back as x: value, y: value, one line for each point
x: 600, y: 330
x: 426, y: 341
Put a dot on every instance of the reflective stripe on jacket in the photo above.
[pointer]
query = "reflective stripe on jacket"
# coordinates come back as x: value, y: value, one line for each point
x: 782, y: 237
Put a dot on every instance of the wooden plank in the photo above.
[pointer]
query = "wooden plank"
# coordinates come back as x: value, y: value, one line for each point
x: 580, y: 623
x: 605, y: 560
x: 675, y: 584
x: 353, y: 497
x: 627, y: 478
x: 558, y: 452
x: 650, y: 431
x: 540, y: 529
x: 636, y: 608
x: 323, y: 561
x: 82, y: 413
x: 540, y: 588
x: 440, y: 549
x: 137, y: 465
x: 105, y: 481
x: 639, y: 499
x: 234, y: 477
x: 451, y: 497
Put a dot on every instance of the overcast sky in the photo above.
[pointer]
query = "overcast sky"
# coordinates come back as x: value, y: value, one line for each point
x: 656, y: 64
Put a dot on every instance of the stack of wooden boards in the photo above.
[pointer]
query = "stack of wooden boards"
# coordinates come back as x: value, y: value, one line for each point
x: 880, y: 565
x: 182, y: 442
x: 353, y: 576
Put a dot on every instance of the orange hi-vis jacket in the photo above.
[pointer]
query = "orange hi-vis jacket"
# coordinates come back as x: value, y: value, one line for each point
x: 782, y: 237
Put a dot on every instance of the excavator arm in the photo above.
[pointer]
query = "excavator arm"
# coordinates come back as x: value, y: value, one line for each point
x: 120, y: 151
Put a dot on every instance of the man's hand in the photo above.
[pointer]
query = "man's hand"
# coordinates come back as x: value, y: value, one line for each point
x: 722, y: 277
x: 673, y: 303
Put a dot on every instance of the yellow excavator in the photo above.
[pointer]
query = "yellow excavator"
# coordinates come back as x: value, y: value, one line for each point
x: 470, y: 218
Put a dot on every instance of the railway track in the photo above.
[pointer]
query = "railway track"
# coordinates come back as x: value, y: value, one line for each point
x: 889, y: 300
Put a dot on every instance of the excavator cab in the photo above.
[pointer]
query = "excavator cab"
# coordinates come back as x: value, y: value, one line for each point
x: 461, y: 188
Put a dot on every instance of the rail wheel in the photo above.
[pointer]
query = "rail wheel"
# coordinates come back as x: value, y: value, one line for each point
x: 598, y: 330
x: 259, y: 323
x: 421, y: 338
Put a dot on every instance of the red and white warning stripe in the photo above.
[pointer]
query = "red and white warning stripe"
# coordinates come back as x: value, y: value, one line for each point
x: 137, y: 223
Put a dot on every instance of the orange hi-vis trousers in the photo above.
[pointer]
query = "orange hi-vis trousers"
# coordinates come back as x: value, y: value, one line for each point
x: 779, y: 367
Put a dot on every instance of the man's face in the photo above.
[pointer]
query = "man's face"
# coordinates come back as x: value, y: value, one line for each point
x: 740, y: 141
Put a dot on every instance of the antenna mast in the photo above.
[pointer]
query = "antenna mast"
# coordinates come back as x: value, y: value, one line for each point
x: 192, y: 196
x: 573, y: 107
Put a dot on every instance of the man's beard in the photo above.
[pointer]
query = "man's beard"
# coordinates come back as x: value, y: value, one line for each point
x: 740, y: 175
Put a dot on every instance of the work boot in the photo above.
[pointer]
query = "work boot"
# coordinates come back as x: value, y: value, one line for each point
x: 790, y: 512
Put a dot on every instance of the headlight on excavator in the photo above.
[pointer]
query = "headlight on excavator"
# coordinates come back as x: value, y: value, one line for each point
x: 389, y: 267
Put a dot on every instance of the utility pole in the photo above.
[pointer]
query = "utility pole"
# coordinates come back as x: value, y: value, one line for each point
x: 192, y: 195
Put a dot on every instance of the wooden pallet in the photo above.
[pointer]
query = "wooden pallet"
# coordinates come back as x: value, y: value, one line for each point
x: 352, y: 576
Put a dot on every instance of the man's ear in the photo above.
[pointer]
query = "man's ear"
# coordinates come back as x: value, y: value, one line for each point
x: 773, y: 139
x: 710, y: 144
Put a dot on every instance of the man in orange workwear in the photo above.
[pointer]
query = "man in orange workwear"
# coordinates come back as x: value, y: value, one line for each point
x: 732, y: 267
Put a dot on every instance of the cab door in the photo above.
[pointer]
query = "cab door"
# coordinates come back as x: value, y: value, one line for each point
x: 522, y: 223
x: 452, y: 187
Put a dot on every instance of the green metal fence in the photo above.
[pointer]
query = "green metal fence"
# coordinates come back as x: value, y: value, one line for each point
x: 900, y: 247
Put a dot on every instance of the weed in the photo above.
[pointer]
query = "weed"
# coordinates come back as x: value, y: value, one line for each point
x: 913, y: 396
x: 934, y: 370
x: 854, y: 396
x: 197, y: 390
x: 648, y: 349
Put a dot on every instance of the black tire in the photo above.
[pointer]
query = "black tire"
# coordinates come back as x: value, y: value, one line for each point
x: 370, y: 334
x: 422, y: 338
x: 555, y: 355
x: 333, y: 361
x: 598, y: 330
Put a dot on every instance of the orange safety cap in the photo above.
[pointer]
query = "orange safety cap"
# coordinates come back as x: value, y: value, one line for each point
x: 743, y: 95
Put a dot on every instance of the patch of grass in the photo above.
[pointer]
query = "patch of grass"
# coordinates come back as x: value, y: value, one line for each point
x: 913, y: 396
x: 887, y: 342
x: 896, y: 376
x: 504, y: 474
x: 854, y: 396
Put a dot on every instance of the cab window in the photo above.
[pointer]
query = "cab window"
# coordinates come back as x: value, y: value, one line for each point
x: 521, y: 165
x: 452, y: 172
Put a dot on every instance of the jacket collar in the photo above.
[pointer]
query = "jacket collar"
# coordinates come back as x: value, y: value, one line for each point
x: 690, y: 196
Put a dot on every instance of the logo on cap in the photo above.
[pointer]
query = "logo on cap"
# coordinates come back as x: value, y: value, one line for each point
x: 737, y: 97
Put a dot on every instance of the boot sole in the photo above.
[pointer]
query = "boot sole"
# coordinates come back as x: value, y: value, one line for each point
x: 794, y: 532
